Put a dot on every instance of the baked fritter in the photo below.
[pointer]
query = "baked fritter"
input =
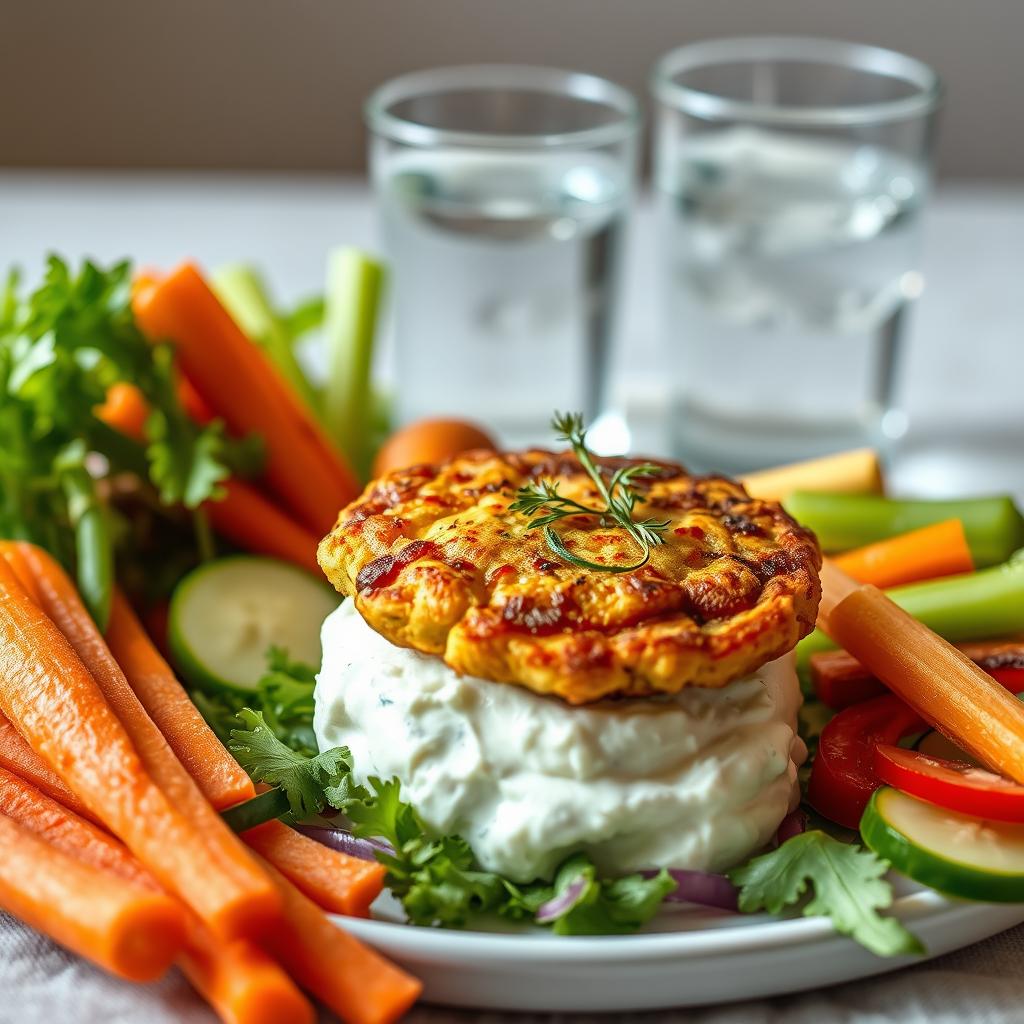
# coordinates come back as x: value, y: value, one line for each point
x: 435, y: 561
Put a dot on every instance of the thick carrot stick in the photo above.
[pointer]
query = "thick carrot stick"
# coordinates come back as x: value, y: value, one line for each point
x: 242, y: 983
x: 17, y: 757
x: 113, y: 756
x: 359, y: 985
x: 254, y: 523
x: 234, y: 376
x: 132, y: 932
x: 219, y: 776
x: 937, y: 550
x: 337, y: 882
x: 61, y: 827
x: 334, y: 881
x: 238, y: 979
x: 125, y: 409
x: 939, y: 682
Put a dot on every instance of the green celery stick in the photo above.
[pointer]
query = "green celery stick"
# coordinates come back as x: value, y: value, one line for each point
x: 975, y: 606
x: 244, y: 294
x: 354, y: 284
x: 994, y: 526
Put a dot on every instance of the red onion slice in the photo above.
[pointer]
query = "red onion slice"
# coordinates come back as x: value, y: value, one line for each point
x: 793, y: 824
x: 343, y: 841
x: 702, y: 887
x: 562, y: 903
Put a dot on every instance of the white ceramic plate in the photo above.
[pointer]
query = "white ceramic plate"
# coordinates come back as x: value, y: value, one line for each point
x: 688, y: 957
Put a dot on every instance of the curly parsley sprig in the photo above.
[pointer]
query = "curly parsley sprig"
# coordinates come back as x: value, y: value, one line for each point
x: 545, y: 505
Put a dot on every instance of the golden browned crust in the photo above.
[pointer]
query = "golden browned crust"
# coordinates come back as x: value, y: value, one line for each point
x: 436, y: 561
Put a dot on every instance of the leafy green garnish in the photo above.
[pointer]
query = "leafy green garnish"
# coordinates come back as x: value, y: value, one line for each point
x: 437, y: 878
x: 545, y: 505
x: 848, y: 888
x: 307, y: 782
x: 61, y: 348
x: 284, y: 696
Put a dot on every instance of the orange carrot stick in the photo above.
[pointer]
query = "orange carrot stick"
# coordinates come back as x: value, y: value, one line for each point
x: 334, y: 881
x: 113, y: 756
x: 132, y: 932
x: 17, y: 757
x: 61, y: 827
x: 256, y: 524
x: 221, y: 778
x: 337, y: 882
x: 238, y: 979
x: 937, y: 550
x: 234, y: 376
x: 242, y: 983
x: 359, y: 985
x: 939, y: 682
x: 125, y: 409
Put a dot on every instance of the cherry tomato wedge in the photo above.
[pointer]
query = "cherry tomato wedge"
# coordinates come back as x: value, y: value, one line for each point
x: 954, y: 785
x: 843, y: 775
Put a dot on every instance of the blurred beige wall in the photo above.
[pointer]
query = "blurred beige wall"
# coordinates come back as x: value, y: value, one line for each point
x: 277, y: 84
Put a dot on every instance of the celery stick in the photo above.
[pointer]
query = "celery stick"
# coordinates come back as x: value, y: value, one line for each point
x: 993, y: 526
x: 244, y: 294
x: 975, y: 606
x: 354, y: 282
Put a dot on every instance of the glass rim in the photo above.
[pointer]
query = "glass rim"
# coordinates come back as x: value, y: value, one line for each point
x: 486, y: 77
x: 874, y: 60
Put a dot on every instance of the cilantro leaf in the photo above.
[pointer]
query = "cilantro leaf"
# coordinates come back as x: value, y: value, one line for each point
x: 302, y: 779
x: 848, y: 888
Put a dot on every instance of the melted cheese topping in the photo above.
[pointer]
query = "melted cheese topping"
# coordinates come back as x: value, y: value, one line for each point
x: 697, y: 780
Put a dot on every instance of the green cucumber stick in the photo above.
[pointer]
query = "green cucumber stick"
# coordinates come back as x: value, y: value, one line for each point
x: 994, y: 526
x: 975, y: 606
x: 244, y: 294
x: 354, y: 284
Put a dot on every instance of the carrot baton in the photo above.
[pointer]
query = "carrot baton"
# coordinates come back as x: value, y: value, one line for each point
x: 338, y: 883
x: 242, y: 983
x: 239, y: 980
x: 234, y: 376
x: 113, y: 756
x: 840, y: 680
x: 221, y: 778
x: 132, y: 932
x: 939, y: 682
x: 359, y: 985
x: 18, y: 758
x: 932, y: 551
x: 61, y: 827
x: 254, y: 523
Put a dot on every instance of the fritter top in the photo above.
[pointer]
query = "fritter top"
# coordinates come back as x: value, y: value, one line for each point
x: 436, y: 561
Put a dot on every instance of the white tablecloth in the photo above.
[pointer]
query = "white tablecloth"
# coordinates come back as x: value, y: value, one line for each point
x: 41, y: 984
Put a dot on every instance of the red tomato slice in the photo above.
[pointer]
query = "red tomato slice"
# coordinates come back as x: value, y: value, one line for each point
x: 843, y: 774
x: 954, y: 785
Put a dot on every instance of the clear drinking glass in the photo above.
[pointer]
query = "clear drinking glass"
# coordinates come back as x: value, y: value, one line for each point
x: 504, y: 192
x: 790, y: 176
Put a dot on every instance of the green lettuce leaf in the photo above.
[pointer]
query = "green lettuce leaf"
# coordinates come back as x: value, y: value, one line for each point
x: 846, y: 884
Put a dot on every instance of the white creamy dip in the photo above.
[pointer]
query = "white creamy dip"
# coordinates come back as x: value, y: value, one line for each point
x: 697, y: 780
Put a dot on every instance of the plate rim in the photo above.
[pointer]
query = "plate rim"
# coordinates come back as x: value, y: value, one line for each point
x: 767, y: 932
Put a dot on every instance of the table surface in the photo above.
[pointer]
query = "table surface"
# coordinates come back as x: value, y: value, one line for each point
x: 961, y: 387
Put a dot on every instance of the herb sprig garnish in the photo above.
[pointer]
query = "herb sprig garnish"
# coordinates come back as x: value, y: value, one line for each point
x: 545, y: 505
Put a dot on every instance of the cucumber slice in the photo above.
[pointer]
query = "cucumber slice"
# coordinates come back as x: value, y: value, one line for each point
x: 227, y: 613
x: 957, y: 854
